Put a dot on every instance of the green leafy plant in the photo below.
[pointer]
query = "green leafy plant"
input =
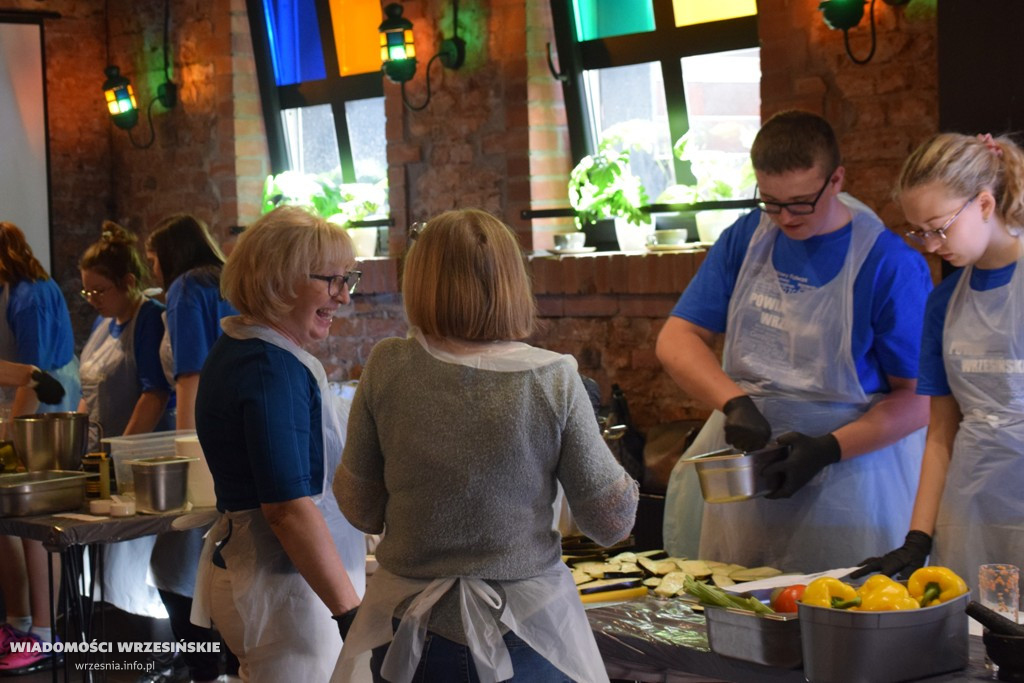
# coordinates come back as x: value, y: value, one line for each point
x: 603, y: 185
x: 340, y: 203
x: 719, y: 175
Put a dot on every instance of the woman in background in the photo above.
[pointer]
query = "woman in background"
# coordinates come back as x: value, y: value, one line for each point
x: 286, y: 560
x: 123, y: 385
x: 35, y: 329
x: 458, y: 438
x: 964, y: 197
x: 187, y: 263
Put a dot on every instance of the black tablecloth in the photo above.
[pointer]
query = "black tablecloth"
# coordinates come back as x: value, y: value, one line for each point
x: 59, y: 533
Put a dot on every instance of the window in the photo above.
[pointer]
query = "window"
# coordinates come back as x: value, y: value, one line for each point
x: 654, y: 70
x: 318, y: 63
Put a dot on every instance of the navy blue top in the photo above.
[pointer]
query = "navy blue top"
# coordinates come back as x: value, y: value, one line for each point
x: 194, y: 310
x: 889, y: 292
x: 932, y: 380
x: 38, y: 316
x: 259, y: 423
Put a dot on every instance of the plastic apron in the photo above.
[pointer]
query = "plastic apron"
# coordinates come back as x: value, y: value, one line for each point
x: 791, y: 352
x: 279, y: 609
x: 67, y: 375
x: 981, y: 516
x: 110, y: 387
x: 544, y: 610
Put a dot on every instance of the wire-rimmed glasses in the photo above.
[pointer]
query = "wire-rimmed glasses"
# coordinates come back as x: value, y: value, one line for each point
x: 920, y: 236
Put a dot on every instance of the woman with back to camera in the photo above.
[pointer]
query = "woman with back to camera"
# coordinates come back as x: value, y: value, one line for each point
x: 458, y: 438
x: 964, y: 198
x: 187, y: 263
x: 281, y: 561
x: 123, y: 384
x: 35, y: 330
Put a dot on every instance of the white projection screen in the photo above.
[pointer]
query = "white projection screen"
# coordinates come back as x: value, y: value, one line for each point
x: 24, y: 186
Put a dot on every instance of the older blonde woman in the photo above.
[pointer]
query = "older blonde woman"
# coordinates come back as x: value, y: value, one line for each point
x: 285, y: 560
x: 458, y: 438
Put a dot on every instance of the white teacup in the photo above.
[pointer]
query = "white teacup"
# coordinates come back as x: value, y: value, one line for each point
x: 667, y: 238
x: 569, y: 240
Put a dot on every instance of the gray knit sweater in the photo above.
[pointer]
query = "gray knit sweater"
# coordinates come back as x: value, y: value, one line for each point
x: 460, y: 465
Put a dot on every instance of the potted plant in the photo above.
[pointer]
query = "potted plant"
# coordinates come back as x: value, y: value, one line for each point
x: 718, y: 176
x: 340, y: 203
x: 603, y: 186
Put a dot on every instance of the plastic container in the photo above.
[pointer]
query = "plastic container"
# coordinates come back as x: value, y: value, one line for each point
x: 200, y: 482
x: 728, y: 475
x: 137, y: 446
x: 160, y: 483
x: 883, y: 647
x: 769, y: 639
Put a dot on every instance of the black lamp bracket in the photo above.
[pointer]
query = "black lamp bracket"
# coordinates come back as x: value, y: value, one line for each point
x: 848, y: 16
x: 452, y: 55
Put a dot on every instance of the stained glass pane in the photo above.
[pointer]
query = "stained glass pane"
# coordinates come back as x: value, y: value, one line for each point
x: 690, y: 12
x: 606, y: 18
x: 294, y: 41
x: 356, y: 38
x: 629, y: 102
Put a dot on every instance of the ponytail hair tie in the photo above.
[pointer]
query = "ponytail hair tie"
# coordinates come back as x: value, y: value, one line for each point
x: 990, y: 144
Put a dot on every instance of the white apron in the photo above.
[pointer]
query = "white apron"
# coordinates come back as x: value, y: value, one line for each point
x: 277, y: 606
x: 791, y: 352
x: 110, y: 387
x: 67, y: 375
x: 981, y: 516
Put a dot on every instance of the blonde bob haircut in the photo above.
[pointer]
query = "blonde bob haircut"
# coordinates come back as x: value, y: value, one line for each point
x: 465, y: 278
x: 275, y: 254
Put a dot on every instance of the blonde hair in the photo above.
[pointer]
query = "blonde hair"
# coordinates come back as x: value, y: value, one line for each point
x: 966, y: 165
x: 465, y: 278
x: 274, y: 254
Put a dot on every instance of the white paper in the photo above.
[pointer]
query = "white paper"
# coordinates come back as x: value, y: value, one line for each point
x: 788, y: 580
x: 82, y: 517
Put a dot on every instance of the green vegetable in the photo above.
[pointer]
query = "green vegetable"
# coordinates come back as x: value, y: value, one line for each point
x: 716, y: 597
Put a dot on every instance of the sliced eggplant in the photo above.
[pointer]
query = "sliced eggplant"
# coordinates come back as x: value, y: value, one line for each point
x: 754, y: 574
x: 695, y: 568
x: 608, y: 585
x: 671, y: 584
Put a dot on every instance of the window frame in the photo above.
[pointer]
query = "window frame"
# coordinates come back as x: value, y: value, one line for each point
x: 335, y: 90
x: 667, y: 45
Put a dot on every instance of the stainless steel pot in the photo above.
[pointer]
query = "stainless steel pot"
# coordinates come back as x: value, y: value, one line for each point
x: 728, y: 475
x: 51, y: 441
x: 160, y: 483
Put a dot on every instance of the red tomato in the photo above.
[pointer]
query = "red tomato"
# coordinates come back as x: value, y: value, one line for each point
x: 786, y: 599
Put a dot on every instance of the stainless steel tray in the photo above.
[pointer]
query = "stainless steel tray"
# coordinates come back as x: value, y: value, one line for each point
x: 769, y: 639
x: 41, y: 493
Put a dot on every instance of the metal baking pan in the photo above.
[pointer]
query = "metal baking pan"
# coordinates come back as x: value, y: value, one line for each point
x: 41, y: 493
x: 769, y: 639
x: 728, y: 475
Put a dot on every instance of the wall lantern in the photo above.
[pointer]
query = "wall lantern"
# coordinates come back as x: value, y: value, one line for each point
x: 398, y: 52
x: 846, y: 14
x: 120, y: 97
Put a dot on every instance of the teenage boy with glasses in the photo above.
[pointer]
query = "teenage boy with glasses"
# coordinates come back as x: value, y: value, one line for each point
x: 820, y: 307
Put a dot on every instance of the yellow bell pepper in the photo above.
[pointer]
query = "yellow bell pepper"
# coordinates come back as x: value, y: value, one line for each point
x: 880, y: 593
x: 829, y: 592
x: 934, y: 585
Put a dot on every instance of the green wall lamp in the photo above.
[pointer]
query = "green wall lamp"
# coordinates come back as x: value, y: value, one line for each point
x: 846, y: 14
x: 398, y: 52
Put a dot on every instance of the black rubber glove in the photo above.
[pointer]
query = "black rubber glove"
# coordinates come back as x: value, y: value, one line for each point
x: 48, y: 390
x: 345, y: 621
x: 808, y: 455
x: 745, y: 426
x: 906, y: 559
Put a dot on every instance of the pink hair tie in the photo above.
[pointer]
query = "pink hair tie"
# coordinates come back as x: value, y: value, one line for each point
x: 990, y: 144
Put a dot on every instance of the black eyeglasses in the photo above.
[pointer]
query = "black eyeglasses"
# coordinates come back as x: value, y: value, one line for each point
x: 920, y: 236
x: 795, y: 208
x: 337, y: 283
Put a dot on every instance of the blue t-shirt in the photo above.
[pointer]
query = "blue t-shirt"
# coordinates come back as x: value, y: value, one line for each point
x: 259, y: 423
x: 932, y: 380
x: 149, y: 332
x: 38, y: 316
x: 889, y: 292
x: 194, y: 310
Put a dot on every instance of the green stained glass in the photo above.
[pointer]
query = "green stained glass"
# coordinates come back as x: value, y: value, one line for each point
x: 605, y: 18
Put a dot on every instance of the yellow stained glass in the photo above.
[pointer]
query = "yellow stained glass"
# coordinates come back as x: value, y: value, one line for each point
x: 689, y: 12
x: 356, y: 37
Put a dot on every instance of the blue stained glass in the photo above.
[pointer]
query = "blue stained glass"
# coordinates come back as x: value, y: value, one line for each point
x: 294, y: 34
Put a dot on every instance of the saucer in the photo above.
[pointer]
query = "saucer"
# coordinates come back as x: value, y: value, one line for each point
x: 688, y: 246
x: 571, y: 251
